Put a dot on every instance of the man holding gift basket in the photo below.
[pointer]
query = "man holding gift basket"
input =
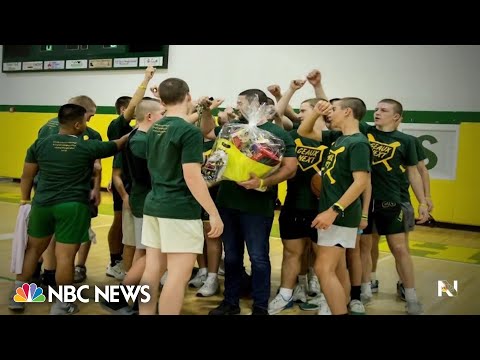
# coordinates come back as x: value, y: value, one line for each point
x: 257, y: 155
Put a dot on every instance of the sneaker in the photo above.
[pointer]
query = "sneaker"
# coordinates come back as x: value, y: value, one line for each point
x: 163, y: 280
x: 210, y: 287
x: 120, y: 308
x: 198, y: 280
x: 313, y: 286
x: 300, y: 294
x: 324, y: 308
x: 225, y: 309
x: 365, y: 298
x: 356, y: 308
x: 278, y: 304
x: 414, y: 308
x: 80, y: 274
x: 401, y: 291
x: 116, y: 271
x: 313, y: 304
x: 15, y: 306
x: 59, y: 308
x: 259, y: 311
x: 374, y: 285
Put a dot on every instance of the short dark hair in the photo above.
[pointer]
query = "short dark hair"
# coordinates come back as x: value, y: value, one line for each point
x: 397, y: 106
x: 251, y: 93
x: 270, y: 101
x: 122, y: 101
x: 359, y: 109
x: 313, y: 101
x: 70, y: 113
x: 173, y: 91
x: 334, y: 99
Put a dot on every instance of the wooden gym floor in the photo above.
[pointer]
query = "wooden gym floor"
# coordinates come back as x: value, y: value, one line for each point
x: 438, y: 254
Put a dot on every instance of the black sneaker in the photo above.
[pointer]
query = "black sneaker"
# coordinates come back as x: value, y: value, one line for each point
x: 259, y: 311
x: 225, y: 309
x: 80, y: 274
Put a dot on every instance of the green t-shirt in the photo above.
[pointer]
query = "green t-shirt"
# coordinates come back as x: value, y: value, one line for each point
x: 52, y: 127
x: 233, y: 196
x: 136, y: 155
x: 118, y: 128
x: 390, y: 150
x: 66, y: 164
x: 172, y: 142
x: 405, y: 195
x: 310, y: 155
x: 348, y: 154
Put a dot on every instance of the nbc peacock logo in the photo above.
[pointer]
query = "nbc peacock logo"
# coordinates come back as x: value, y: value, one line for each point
x: 29, y: 293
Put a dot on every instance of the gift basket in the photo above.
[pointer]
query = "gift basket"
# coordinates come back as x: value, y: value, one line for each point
x: 243, y: 149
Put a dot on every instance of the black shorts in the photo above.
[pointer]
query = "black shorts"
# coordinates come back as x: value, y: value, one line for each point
x: 213, y: 193
x: 386, y: 217
x: 408, y: 216
x: 117, y: 200
x: 297, y: 224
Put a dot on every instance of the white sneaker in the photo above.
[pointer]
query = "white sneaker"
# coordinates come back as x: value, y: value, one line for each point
x: 356, y: 307
x: 324, y: 309
x: 163, y: 280
x: 366, y: 298
x: 300, y: 294
x: 210, y: 287
x: 116, y: 271
x: 313, y: 286
x: 198, y: 280
x: 414, y: 308
x: 59, y: 308
x: 278, y: 304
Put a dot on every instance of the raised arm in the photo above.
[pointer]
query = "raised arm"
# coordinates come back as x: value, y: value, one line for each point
x: 139, y: 94
x: 307, y: 127
x: 287, y: 111
x: 314, y: 77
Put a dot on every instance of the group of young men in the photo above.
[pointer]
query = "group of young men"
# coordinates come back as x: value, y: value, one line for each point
x: 165, y: 214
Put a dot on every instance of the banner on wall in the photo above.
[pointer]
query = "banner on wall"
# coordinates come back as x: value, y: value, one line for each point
x: 441, y: 147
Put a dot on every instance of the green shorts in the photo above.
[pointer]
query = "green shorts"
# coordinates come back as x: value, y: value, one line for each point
x: 68, y: 221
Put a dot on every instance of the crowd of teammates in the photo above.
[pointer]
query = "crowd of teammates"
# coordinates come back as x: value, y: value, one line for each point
x: 166, y: 219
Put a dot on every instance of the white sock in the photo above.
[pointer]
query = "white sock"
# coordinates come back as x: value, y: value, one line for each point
x: 202, y: 271
x: 410, y: 295
x: 373, y: 276
x: 286, y: 293
x: 212, y: 275
x: 366, y: 289
x: 302, y: 279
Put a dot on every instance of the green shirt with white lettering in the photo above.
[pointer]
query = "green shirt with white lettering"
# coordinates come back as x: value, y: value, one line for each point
x: 66, y: 165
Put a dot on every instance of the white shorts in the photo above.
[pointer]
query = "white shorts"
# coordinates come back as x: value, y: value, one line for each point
x: 173, y: 235
x: 128, y: 229
x: 338, y: 235
x: 138, y: 224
